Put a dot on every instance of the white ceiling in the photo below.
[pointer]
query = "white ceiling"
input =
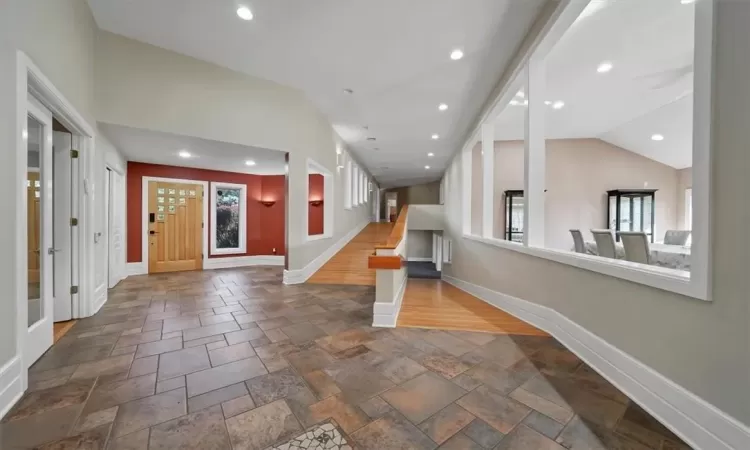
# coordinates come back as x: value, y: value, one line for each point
x: 648, y: 91
x: 162, y: 148
x: 393, y: 54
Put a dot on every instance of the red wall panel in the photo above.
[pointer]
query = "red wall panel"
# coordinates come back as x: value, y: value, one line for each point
x: 315, y: 213
x: 255, y: 211
x: 272, y: 230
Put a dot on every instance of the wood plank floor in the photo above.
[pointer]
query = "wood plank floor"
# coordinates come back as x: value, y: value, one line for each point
x: 436, y: 304
x: 60, y: 328
x: 349, y: 265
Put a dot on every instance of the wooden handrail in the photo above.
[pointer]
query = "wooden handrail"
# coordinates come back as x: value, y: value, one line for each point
x: 397, y: 233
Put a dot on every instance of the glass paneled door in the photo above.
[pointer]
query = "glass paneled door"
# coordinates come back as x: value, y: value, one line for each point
x: 39, y: 198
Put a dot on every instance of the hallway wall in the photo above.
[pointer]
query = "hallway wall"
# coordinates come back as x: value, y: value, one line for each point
x: 259, y: 217
x: 143, y: 86
x: 701, y: 346
x: 418, y: 194
x: 59, y: 37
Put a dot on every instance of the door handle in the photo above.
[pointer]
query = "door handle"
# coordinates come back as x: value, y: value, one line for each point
x: 153, y: 232
x: 52, y: 251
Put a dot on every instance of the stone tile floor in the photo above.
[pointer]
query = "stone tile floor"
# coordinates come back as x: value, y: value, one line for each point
x: 233, y: 359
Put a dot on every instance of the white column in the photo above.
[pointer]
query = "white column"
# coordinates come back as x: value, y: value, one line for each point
x: 488, y: 179
x: 534, y: 155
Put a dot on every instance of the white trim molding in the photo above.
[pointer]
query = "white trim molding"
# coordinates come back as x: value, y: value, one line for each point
x: 136, y: 268
x: 697, y: 422
x: 419, y: 259
x: 386, y: 314
x: 242, y: 238
x: 298, y: 276
x: 243, y: 261
x: 11, y: 384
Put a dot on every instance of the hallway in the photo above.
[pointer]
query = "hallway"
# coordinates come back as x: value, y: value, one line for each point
x: 349, y: 265
x: 232, y: 359
x: 436, y: 304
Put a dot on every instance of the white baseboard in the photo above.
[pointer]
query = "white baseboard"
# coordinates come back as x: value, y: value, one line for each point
x: 11, y: 385
x: 298, y: 276
x: 418, y: 259
x: 700, y: 424
x: 100, y: 298
x: 136, y: 268
x: 243, y: 261
x: 386, y: 314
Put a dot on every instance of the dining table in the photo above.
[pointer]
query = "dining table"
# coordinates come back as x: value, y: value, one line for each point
x: 662, y: 255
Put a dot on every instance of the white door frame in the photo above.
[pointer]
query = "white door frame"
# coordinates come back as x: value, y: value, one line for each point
x: 31, y: 80
x: 144, y: 217
x: 120, y: 263
x: 39, y: 335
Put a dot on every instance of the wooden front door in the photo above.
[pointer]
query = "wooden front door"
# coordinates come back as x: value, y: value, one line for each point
x: 33, y: 220
x: 175, y: 227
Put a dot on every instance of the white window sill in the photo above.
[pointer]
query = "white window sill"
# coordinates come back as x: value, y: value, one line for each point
x: 677, y: 281
x: 318, y: 237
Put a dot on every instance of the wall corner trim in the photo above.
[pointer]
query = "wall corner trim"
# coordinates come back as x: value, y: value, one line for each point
x: 298, y: 276
x: 11, y: 385
x: 386, y: 314
x: 700, y: 424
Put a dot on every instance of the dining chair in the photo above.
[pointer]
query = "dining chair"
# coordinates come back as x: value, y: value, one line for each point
x: 636, y: 248
x: 605, y: 243
x: 578, y: 244
x: 676, y: 237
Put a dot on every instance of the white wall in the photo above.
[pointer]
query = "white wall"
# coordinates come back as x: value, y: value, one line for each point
x: 420, y: 244
x: 139, y: 85
x: 701, y: 346
x: 579, y: 173
x: 59, y: 37
x: 106, y: 156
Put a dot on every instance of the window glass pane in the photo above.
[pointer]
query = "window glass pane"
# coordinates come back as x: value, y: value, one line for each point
x: 227, y: 206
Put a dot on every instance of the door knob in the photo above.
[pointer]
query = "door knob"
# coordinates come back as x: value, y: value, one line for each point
x: 52, y: 251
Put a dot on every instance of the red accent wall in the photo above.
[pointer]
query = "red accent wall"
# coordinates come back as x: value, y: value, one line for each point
x: 272, y: 230
x: 257, y: 214
x: 315, y: 213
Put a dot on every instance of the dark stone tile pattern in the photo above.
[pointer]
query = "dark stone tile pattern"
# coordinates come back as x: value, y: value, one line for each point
x: 233, y: 359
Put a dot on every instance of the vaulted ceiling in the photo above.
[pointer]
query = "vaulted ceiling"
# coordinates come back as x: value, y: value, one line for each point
x: 647, y: 92
x: 377, y: 69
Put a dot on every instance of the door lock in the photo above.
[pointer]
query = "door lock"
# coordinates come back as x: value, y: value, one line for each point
x: 52, y: 251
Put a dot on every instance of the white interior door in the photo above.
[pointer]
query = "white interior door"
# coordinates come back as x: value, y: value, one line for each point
x: 62, y: 182
x: 39, y: 231
x: 115, y: 238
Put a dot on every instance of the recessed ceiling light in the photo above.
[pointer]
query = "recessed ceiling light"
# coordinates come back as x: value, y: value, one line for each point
x: 604, y: 67
x: 687, y: 2
x: 442, y: 107
x: 547, y: 102
x: 427, y: 167
x: 184, y: 154
x: 457, y: 54
x: 430, y: 154
x: 244, y: 13
x: 249, y: 162
x: 515, y: 102
x: 520, y: 94
x: 372, y: 139
x: 558, y: 104
x: 657, y: 137
x: 435, y: 136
